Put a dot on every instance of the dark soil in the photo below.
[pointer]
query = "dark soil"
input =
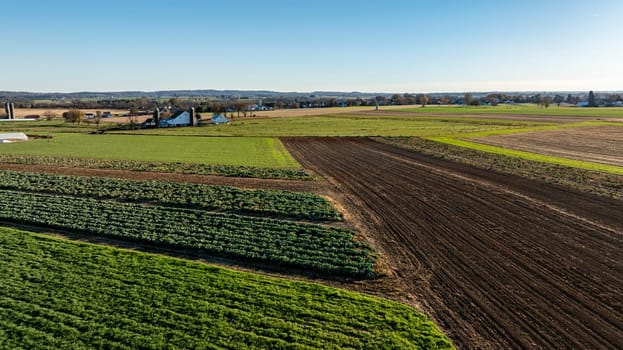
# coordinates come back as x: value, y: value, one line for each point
x: 498, y: 261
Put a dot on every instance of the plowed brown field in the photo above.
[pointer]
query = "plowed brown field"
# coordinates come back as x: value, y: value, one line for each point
x: 601, y: 144
x: 498, y: 261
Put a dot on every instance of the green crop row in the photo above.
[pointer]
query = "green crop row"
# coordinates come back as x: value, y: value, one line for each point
x: 152, y: 166
x: 197, y: 196
x: 324, y: 249
x: 57, y: 294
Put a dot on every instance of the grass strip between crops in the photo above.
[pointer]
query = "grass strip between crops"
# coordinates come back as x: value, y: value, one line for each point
x: 195, y: 196
x: 58, y: 294
x: 325, y: 249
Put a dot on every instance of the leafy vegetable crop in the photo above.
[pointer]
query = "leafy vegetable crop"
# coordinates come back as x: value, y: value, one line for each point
x: 197, y: 196
x: 153, y: 166
x: 319, y: 248
x: 57, y: 294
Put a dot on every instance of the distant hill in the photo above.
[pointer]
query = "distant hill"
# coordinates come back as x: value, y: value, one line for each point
x: 183, y: 93
x: 250, y: 94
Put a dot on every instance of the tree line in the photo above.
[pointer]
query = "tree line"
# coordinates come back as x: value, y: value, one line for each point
x: 246, y: 106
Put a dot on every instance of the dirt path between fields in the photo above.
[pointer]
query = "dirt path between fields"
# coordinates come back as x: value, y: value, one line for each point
x: 498, y: 261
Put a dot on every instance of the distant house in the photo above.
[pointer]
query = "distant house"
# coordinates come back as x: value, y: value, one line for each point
x: 219, y: 119
x: 13, y: 137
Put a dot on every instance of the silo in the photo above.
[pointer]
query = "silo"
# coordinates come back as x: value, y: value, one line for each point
x: 156, y: 116
x: 193, y: 121
x: 12, y: 109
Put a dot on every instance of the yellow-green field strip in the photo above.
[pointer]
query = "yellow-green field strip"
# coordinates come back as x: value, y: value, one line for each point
x: 459, y: 140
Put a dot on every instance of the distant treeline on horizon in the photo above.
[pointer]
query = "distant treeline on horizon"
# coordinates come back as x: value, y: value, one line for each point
x: 211, y: 100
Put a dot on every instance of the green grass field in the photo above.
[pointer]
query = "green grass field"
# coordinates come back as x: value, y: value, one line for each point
x: 528, y: 109
x: 58, y: 294
x: 239, y: 151
x: 343, y: 125
x: 44, y: 126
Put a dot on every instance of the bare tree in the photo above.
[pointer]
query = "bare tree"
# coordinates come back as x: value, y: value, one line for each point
x: 591, y: 99
x: 73, y: 116
x: 98, y: 119
x: 132, y: 120
x: 422, y: 99
x: 468, y: 99
x: 49, y: 115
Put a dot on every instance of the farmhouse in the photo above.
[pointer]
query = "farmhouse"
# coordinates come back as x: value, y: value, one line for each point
x: 13, y: 137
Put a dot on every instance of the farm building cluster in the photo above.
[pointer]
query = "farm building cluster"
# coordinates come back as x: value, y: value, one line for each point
x: 180, y: 118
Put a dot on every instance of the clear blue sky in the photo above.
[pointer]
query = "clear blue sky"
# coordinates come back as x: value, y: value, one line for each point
x: 289, y: 45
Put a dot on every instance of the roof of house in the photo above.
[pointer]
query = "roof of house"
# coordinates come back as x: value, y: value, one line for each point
x: 219, y: 118
x: 175, y: 115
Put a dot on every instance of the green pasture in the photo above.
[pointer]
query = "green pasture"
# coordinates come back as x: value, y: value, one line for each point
x: 44, y: 126
x: 541, y: 127
x: 343, y: 125
x: 234, y: 151
x: 58, y: 294
x: 527, y: 109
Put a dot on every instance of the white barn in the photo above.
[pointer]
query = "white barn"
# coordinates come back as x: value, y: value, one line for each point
x: 181, y: 118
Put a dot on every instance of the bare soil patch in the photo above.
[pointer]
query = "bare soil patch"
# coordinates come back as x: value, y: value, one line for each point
x: 499, y: 261
x: 601, y: 144
x: 303, y: 112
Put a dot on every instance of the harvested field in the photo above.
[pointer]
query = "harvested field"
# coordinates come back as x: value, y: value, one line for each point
x: 601, y: 144
x: 58, y: 112
x: 500, y: 262
x: 303, y: 112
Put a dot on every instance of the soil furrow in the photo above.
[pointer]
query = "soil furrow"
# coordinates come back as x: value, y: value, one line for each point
x: 498, y: 261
